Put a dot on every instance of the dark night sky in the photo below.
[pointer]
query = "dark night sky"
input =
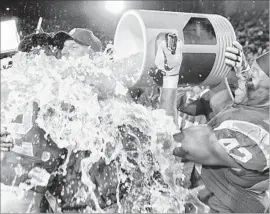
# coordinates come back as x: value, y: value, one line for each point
x: 93, y: 14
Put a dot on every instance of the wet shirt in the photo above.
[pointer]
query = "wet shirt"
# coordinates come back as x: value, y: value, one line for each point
x: 244, y: 134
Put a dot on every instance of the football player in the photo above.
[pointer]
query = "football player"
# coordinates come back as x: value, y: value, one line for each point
x: 233, y: 148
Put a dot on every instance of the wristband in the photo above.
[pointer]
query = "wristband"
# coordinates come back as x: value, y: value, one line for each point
x: 170, y: 81
x: 241, y: 72
x: 247, y: 68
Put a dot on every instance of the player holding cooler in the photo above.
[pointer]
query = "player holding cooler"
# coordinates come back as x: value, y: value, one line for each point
x: 234, y: 148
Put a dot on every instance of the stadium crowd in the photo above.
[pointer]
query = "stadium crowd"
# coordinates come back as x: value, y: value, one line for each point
x: 251, y: 29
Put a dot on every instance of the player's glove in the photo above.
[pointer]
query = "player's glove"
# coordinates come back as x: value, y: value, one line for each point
x: 235, y: 58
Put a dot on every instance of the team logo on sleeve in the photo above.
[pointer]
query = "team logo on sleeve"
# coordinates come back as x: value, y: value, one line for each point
x: 45, y: 156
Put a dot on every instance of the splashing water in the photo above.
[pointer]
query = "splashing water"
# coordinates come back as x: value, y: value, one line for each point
x: 82, y: 107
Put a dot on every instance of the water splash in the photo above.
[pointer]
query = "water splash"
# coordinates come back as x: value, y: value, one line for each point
x: 82, y: 108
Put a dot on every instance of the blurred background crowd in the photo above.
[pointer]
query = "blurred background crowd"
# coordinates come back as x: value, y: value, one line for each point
x: 250, y: 19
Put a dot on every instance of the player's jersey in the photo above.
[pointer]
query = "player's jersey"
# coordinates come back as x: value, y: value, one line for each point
x: 195, y: 112
x: 31, y: 149
x: 244, y: 133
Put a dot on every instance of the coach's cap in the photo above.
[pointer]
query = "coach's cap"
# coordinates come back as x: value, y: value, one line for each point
x: 79, y: 35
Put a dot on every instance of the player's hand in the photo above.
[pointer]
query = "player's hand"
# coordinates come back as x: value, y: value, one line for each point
x: 195, y: 142
x: 174, y: 60
x: 166, y: 61
x: 172, y: 63
x: 235, y: 58
x: 7, y: 142
x: 254, y: 90
x: 199, y: 144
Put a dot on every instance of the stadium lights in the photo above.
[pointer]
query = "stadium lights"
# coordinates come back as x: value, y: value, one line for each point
x: 114, y: 7
x: 9, y: 36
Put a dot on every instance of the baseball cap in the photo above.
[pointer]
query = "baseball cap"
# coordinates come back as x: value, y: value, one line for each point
x: 79, y: 35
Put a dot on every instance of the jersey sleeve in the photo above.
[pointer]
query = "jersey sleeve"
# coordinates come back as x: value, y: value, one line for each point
x: 247, y: 143
x: 195, y: 108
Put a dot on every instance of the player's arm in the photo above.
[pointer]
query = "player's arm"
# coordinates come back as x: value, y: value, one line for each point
x: 8, y: 174
x: 195, y: 108
x: 168, y: 98
x: 6, y: 142
x: 234, y: 143
x: 200, y: 145
x: 15, y: 174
